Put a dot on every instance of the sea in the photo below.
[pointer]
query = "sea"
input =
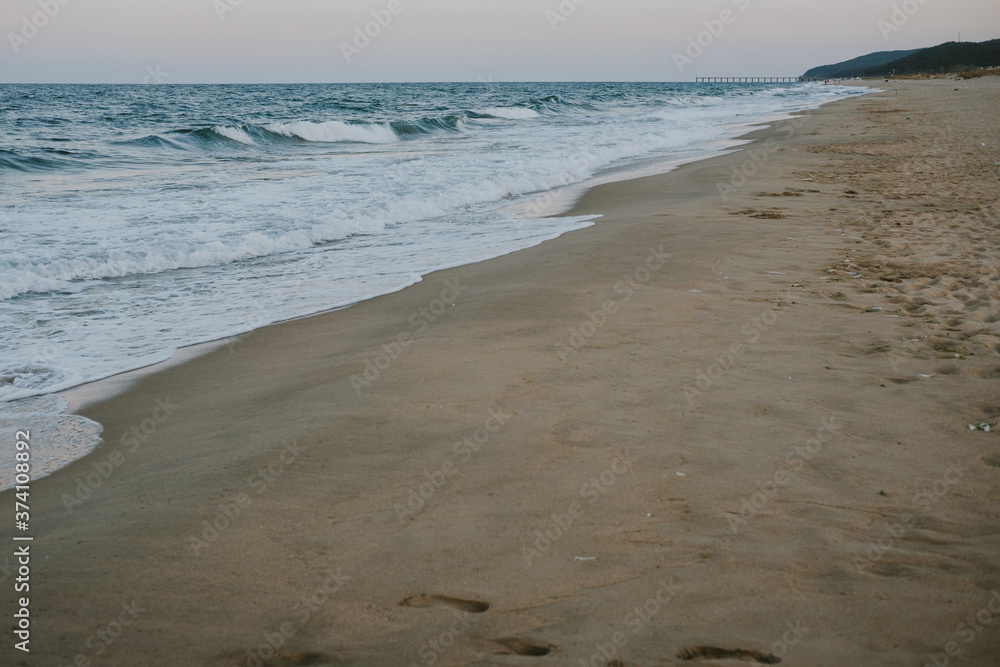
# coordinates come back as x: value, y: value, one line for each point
x: 136, y: 220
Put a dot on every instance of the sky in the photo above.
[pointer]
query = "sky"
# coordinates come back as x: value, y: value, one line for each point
x: 300, y: 41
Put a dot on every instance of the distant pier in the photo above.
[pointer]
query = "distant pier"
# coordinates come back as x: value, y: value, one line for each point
x: 756, y: 79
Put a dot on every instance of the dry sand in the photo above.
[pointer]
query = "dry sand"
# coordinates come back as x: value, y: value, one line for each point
x: 754, y: 448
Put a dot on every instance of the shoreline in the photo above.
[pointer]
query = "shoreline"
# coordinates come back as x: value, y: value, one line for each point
x: 542, y: 442
x: 660, y: 165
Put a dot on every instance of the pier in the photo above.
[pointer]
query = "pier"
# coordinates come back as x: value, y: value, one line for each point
x: 756, y: 79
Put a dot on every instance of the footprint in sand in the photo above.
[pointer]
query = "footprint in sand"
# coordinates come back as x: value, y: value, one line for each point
x: 299, y: 660
x: 519, y: 646
x: 308, y: 659
x: 468, y: 606
x: 710, y: 652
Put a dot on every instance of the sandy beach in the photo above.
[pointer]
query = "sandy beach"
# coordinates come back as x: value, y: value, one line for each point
x: 729, y: 423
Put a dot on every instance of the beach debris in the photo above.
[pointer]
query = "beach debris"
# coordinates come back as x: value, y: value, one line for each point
x: 981, y: 427
x: 776, y: 273
x: 586, y: 558
x: 696, y: 291
x: 926, y: 376
x: 680, y: 474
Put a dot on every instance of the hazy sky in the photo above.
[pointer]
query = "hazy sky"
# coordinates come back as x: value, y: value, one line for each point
x: 195, y: 41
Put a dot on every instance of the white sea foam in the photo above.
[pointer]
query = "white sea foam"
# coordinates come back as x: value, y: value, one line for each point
x: 335, y: 131
x: 56, y: 438
x: 235, y: 133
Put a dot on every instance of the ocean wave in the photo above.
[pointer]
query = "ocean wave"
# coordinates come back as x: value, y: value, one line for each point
x: 261, y: 136
x: 510, y: 113
x: 193, y: 138
x: 552, y: 103
x: 235, y: 133
x: 13, y: 161
x: 46, y: 159
x: 154, y: 141
x: 60, y: 275
x: 335, y: 131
